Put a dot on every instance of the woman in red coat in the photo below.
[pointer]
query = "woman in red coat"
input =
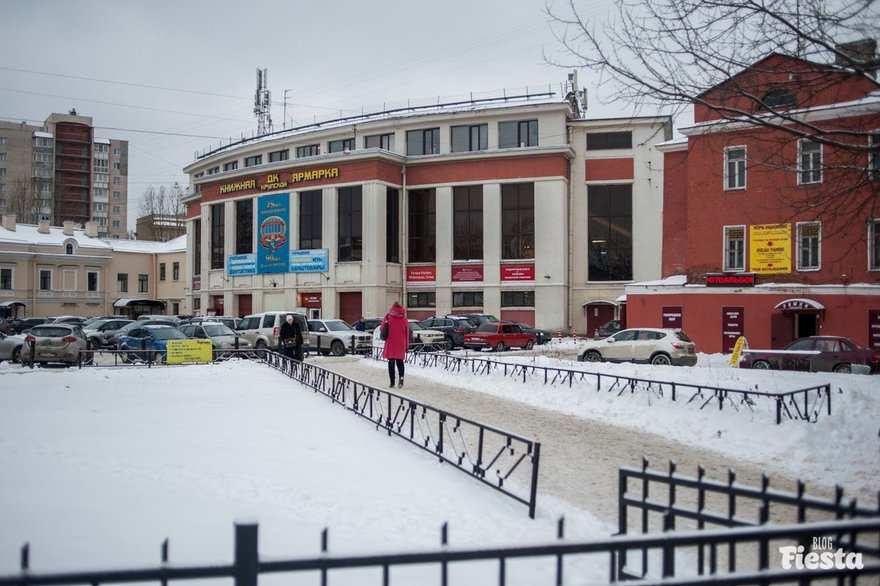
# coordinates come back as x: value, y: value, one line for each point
x: 397, y: 342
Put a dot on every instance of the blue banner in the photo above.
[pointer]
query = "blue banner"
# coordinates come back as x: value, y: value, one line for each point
x: 273, y: 235
x: 310, y: 261
x: 241, y: 264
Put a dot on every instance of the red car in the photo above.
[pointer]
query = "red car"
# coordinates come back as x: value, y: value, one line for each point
x: 499, y: 337
x: 814, y: 354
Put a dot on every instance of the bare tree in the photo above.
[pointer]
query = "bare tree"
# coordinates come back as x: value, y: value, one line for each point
x: 160, y: 212
x: 670, y: 55
x: 21, y: 201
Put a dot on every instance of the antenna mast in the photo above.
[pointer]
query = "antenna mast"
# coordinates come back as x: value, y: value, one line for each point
x: 263, y: 103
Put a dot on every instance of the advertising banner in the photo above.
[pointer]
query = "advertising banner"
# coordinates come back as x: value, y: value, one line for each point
x: 273, y: 222
x: 770, y: 248
x: 467, y: 273
x: 183, y: 351
x: 310, y: 261
x: 241, y: 264
x: 421, y: 274
x: 517, y: 272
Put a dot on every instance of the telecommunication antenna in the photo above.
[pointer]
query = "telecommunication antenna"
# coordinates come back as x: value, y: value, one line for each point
x: 263, y: 103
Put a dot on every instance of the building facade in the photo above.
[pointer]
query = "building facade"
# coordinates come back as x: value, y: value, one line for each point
x: 60, y: 171
x: 520, y: 208
x: 49, y: 271
x: 772, y: 232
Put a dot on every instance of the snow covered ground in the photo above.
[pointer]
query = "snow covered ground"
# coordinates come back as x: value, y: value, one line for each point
x: 98, y: 466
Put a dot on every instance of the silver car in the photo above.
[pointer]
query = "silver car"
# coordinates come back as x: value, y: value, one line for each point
x: 98, y: 330
x: 221, y: 336
x: 10, y: 347
x: 56, y: 343
x: 334, y: 336
x: 650, y: 345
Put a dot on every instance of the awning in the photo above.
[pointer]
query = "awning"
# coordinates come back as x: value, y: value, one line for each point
x: 800, y: 304
x: 600, y: 302
x: 122, y: 302
x: 13, y: 304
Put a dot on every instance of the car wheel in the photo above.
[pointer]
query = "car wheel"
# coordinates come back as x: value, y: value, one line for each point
x: 761, y: 365
x: 530, y: 345
x: 260, y: 345
x: 843, y: 368
x: 337, y: 348
x: 661, y: 359
x: 16, y: 354
x: 133, y: 357
x: 450, y: 343
x: 500, y: 347
x: 592, y: 356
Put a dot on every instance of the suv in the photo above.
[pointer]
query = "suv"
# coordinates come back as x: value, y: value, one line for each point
x: 652, y: 345
x: 334, y: 336
x: 261, y: 329
x: 453, y: 326
x: 228, y: 321
x: 478, y: 319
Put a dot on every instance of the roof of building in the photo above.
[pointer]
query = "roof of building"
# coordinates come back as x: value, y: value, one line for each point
x: 29, y: 234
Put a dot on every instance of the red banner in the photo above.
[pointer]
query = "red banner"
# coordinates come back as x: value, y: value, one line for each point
x: 517, y: 272
x: 421, y: 274
x: 310, y: 300
x: 466, y: 273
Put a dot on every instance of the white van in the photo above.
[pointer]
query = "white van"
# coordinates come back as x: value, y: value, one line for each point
x: 261, y: 329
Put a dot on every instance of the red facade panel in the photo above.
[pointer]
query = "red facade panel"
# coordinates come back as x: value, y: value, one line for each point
x: 609, y: 169
x: 488, y: 170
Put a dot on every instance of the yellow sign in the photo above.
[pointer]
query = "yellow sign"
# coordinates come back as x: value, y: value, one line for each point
x: 737, y: 350
x: 273, y: 181
x: 314, y: 174
x: 770, y: 248
x: 183, y: 351
x: 238, y: 186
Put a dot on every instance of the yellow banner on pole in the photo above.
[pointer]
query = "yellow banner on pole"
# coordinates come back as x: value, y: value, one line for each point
x: 737, y: 350
x: 183, y: 351
x: 770, y: 248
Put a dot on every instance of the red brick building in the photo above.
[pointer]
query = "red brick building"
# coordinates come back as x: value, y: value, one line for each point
x: 772, y: 231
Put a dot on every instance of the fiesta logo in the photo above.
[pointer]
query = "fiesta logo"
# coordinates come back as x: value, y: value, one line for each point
x: 273, y: 232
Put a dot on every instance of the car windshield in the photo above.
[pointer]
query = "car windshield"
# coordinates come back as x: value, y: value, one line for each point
x: 50, y: 332
x: 167, y: 334
x: 337, y: 326
x: 218, y: 330
x: 414, y: 325
x: 487, y: 328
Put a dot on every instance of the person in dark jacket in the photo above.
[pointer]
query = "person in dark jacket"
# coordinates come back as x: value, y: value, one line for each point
x: 290, y: 331
x: 360, y: 325
x: 397, y: 342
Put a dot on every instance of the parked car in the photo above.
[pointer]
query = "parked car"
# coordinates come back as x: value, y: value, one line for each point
x: 56, y: 343
x: 478, y: 319
x: 609, y: 328
x: 371, y: 323
x: 422, y: 338
x: 261, y: 329
x: 334, y: 336
x: 4, y: 326
x: 172, y: 318
x: 453, y: 327
x: 104, y: 318
x: 541, y: 336
x: 229, y: 321
x: 97, y: 331
x: 111, y: 339
x: 69, y: 319
x: 222, y: 336
x: 10, y: 347
x: 814, y: 354
x: 653, y: 345
x: 18, y: 326
x: 499, y: 337
x: 142, y: 340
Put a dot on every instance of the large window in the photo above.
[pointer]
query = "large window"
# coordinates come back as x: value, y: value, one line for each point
x: 92, y: 281
x: 45, y: 280
x: 5, y: 279
x: 467, y: 222
x: 217, y: 236
x: 517, y: 299
x: 161, y: 271
x: 809, y: 162
x: 874, y: 156
x: 230, y: 166
x: 427, y: 300
x: 122, y: 282
x: 597, y: 141
x: 470, y: 138
x: 809, y: 240
x: 734, y: 248
x: 518, y: 221
x: 735, y: 167
x: 175, y: 271
x: 422, y: 225
x: 244, y: 226
x: 392, y: 225
x: 350, y: 224
x: 423, y: 142
x: 609, y: 233
x: 310, y: 233
x: 309, y: 150
x: 197, y: 247
x: 277, y: 156
x: 379, y: 141
x: 143, y: 283
x: 517, y: 134
x: 874, y: 244
x: 467, y: 299
x: 338, y: 146
x: 253, y: 161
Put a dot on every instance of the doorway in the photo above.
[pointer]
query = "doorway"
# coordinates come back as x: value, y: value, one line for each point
x: 806, y: 324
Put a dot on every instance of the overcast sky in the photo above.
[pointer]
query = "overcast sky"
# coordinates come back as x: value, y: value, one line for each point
x: 174, y: 77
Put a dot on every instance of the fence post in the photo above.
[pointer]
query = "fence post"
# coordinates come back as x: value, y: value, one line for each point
x: 246, y: 567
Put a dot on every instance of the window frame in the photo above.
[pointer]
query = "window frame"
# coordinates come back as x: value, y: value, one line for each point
x: 218, y: 237
x: 122, y: 282
x: 874, y: 155
x: 815, y: 167
x: 341, y: 145
x: 97, y: 284
x: 522, y: 126
x: 143, y: 283
x: 311, y: 218
x: 874, y: 244
x: 424, y: 136
x: 385, y: 141
x: 279, y: 156
x: 469, y: 298
x: 175, y: 271
x: 47, y: 286
x: 161, y: 271
x: 467, y: 241
x: 350, y: 216
x: 518, y: 298
x: 244, y: 226
x: 800, y: 263
x: 422, y: 242
x: 230, y: 166
x: 392, y: 225
x: 481, y: 139
x: 609, y: 140
x: 522, y: 213
x: 253, y: 161
x: 421, y: 299
x: 11, y: 278
x: 727, y: 162
x: 308, y: 150
x: 727, y: 267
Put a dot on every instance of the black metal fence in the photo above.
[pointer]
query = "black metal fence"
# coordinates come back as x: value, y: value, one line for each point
x: 501, y: 459
x: 802, y: 404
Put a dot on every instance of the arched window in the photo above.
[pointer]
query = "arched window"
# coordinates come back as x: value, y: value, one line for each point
x: 778, y: 98
x: 68, y: 249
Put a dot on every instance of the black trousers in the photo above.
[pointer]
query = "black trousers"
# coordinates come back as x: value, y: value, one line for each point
x: 391, y: 363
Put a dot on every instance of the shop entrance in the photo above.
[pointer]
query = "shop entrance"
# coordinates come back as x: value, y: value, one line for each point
x: 805, y: 324
x: 598, y: 314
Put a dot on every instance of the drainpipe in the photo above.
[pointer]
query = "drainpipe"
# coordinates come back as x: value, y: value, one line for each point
x: 569, y: 285
x: 404, y: 251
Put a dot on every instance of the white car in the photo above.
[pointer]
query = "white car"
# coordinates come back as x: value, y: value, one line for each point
x: 334, y: 336
x: 221, y: 336
x: 429, y: 339
x: 651, y: 345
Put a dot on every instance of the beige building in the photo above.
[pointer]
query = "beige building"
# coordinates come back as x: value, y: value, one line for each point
x: 48, y: 271
x: 61, y: 171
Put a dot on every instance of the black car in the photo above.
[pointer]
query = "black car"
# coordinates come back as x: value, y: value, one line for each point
x: 454, y: 326
x: 608, y: 329
x: 17, y: 326
x: 541, y: 336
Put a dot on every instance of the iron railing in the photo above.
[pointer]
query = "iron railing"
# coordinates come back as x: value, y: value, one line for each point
x: 802, y: 404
